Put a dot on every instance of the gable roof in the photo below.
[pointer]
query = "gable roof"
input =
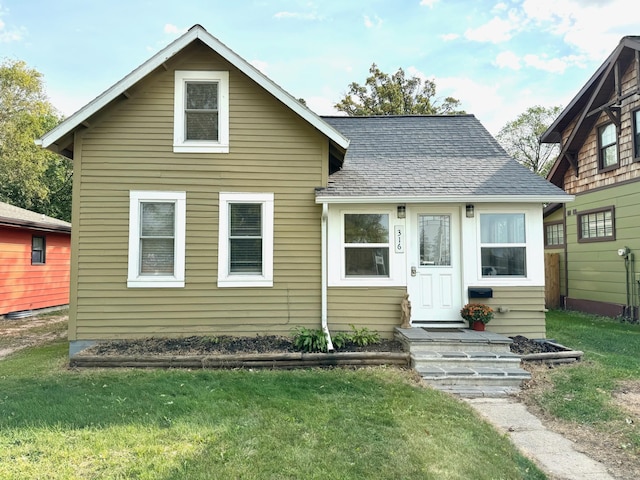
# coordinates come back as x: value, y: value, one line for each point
x: 12, y: 216
x: 592, y: 99
x: 61, y: 133
x: 431, y: 158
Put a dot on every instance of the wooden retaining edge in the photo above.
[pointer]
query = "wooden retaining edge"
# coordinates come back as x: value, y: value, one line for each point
x: 260, y: 360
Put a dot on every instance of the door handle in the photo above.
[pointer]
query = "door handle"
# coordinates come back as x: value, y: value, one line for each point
x: 413, y: 271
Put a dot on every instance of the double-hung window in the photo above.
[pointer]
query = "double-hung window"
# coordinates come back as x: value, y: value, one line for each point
x: 201, y: 112
x: 596, y: 225
x: 156, y: 239
x: 503, y: 247
x: 553, y: 234
x: 366, y: 245
x: 245, y: 247
x: 38, y: 250
x: 608, y: 145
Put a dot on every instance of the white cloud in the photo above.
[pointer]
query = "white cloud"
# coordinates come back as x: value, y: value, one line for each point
x: 447, y: 37
x: 260, y: 65
x: 297, y: 16
x: 371, y: 23
x: 428, y: 3
x: 594, y: 27
x: 496, y: 30
x: 508, y: 59
x: 322, y: 105
x: 10, y: 35
x: 553, y: 65
x: 172, y: 29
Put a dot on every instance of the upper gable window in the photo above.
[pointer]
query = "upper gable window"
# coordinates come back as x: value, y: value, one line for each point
x: 201, y: 112
x: 636, y: 135
x: 607, y: 140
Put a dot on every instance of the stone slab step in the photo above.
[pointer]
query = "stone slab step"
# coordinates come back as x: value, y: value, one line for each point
x: 478, y: 376
x: 468, y: 391
x: 460, y: 358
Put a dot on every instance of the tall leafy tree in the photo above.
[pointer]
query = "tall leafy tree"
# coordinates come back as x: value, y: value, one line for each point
x: 30, y: 177
x: 384, y: 94
x: 521, y: 138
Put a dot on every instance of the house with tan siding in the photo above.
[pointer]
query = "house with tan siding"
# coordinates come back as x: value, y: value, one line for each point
x: 598, y: 235
x: 207, y: 200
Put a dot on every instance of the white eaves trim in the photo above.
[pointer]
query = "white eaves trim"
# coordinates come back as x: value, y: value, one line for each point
x: 196, y: 32
x: 449, y: 199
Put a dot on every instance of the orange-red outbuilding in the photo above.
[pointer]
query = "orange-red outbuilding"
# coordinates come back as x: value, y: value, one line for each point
x: 35, y: 253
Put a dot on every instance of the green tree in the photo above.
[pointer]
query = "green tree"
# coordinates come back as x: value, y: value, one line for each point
x: 30, y: 177
x: 521, y: 138
x: 384, y: 94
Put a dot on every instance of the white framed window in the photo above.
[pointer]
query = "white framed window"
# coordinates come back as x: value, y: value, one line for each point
x: 201, y: 111
x: 503, y: 245
x: 245, y: 243
x: 157, y: 224
x: 366, y: 245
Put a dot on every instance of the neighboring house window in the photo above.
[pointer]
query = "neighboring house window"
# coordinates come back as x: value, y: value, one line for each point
x: 366, y: 245
x: 245, y: 250
x: 553, y: 234
x: 596, y: 225
x: 157, y: 223
x: 201, y: 112
x: 636, y: 134
x: 38, y: 250
x: 607, y: 139
x: 503, y: 245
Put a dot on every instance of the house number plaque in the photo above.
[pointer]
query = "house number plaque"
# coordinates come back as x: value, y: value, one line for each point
x: 398, y: 233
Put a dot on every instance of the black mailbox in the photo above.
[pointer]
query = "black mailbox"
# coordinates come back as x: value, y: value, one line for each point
x: 480, y: 292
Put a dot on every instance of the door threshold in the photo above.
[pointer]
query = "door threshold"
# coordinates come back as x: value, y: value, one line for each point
x: 439, y: 325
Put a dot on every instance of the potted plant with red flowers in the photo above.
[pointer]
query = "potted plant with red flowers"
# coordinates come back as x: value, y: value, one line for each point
x: 477, y: 314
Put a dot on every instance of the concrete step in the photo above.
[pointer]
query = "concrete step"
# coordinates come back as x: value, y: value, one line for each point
x: 418, y: 340
x: 476, y: 377
x: 458, y: 358
x: 467, y: 391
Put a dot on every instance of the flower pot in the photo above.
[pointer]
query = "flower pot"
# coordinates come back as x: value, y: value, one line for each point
x: 478, y: 326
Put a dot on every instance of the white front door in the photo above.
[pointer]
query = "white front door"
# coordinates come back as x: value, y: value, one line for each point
x: 434, y: 282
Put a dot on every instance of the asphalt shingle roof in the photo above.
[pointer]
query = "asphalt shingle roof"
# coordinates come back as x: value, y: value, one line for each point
x: 16, y: 216
x: 427, y: 156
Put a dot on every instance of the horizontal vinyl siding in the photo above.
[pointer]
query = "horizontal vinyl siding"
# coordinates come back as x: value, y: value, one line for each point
x: 595, y: 270
x: 24, y: 286
x: 373, y: 308
x: 526, y: 314
x: 271, y: 150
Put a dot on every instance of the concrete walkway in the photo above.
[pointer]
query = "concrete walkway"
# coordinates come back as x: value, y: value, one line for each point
x: 552, y: 452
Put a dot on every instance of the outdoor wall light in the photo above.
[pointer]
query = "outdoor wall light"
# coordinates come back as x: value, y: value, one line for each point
x: 470, y: 212
x: 402, y: 211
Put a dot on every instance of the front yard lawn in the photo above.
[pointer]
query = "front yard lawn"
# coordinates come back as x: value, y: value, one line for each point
x: 378, y: 423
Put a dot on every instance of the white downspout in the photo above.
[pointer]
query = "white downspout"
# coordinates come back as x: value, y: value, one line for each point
x: 323, y: 301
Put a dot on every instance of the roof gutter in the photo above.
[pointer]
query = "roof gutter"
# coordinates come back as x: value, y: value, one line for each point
x: 560, y: 198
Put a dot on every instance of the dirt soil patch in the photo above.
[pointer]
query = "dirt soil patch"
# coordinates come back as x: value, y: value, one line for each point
x: 608, y: 447
x: 198, y: 345
x: 525, y: 346
x: 27, y: 332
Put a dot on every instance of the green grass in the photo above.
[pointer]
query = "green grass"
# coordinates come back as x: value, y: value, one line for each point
x: 57, y: 423
x: 582, y: 393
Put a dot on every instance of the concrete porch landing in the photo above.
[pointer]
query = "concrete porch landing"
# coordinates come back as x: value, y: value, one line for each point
x: 464, y: 362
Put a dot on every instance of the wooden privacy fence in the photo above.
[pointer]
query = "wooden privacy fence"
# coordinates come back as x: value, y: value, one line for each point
x: 552, y: 280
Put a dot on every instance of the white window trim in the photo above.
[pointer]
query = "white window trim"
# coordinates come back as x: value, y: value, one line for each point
x: 534, y: 253
x: 337, y: 269
x: 134, y: 279
x: 201, y: 146
x: 226, y: 278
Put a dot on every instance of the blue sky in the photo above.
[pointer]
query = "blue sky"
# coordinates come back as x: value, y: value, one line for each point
x: 498, y: 57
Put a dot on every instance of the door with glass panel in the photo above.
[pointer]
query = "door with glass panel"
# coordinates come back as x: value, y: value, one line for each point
x: 434, y: 282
